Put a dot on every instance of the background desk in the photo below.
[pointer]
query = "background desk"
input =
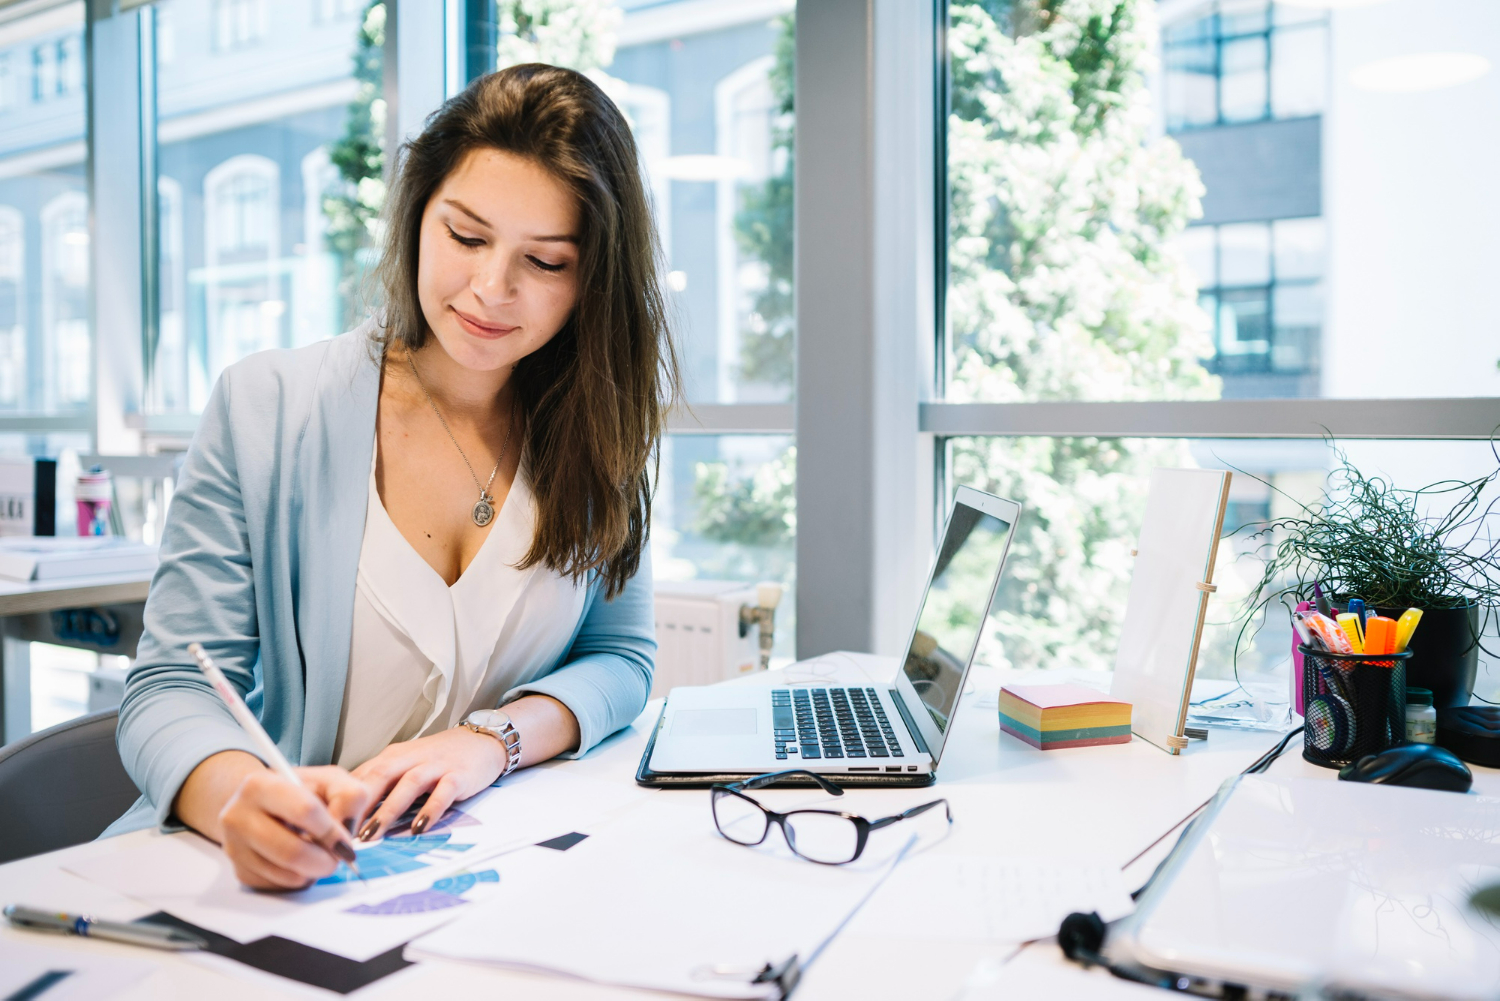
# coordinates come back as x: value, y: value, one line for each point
x: 26, y: 616
x: 1111, y: 801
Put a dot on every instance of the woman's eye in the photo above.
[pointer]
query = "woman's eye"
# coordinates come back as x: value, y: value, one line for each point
x: 545, y: 266
x: 467, y: 241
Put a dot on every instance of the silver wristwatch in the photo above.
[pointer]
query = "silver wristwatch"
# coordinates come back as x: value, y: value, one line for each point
x: 498, y: 725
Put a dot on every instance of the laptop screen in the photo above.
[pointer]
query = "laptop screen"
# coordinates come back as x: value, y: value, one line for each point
x: 954, y: 609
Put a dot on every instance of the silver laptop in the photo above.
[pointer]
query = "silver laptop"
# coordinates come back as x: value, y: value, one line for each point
x: 853, y: 729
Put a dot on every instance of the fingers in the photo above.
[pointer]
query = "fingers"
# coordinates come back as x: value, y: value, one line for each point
x: 412, y: 784
x: 263, y: 824
x: 347, y: 798
x: 442, y: 796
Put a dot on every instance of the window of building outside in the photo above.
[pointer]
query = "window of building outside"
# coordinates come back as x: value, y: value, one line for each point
x: 262, y: 240
x: 46, y: 342
x: 1303, y: 218
x: 1244, y: 62
x: 709, y: 98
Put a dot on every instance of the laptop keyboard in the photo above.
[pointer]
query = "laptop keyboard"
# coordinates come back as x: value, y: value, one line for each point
x: 831, y: 723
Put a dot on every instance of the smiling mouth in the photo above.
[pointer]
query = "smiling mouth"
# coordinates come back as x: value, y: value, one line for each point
x: 480, y: 328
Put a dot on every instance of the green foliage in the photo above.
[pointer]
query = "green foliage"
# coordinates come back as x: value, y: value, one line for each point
x: 1432, y: 547
x: 763, y: 229
x: 1063, y: 285
x: 758, y: 510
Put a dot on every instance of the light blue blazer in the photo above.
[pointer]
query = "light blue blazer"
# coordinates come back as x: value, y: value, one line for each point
x: 258, y: 563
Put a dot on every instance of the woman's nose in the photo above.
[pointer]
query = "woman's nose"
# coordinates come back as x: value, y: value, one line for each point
x: 496, y: 282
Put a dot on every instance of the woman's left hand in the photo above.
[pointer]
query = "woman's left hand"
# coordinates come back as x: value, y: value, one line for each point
x: 447, y: 766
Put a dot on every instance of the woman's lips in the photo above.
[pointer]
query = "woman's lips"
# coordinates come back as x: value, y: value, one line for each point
x: 479, y: 329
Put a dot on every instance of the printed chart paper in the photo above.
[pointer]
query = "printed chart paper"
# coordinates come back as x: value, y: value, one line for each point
x: 189, y: 876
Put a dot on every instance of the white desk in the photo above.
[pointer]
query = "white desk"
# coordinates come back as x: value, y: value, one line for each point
x: 25, y: 616
x: 1112, y: 800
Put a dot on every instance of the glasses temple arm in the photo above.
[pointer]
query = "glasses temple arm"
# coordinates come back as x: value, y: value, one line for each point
x: 876, y: 825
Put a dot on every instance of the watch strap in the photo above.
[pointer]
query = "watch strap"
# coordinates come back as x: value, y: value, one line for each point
x: 508, y: 735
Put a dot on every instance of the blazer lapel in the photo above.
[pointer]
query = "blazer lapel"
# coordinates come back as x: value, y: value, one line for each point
x: 333, y: 466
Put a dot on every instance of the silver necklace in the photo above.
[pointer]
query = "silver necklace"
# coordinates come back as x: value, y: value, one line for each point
x: 484, y: 508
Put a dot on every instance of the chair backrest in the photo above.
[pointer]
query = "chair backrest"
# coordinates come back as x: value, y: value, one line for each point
x: 62, y: 786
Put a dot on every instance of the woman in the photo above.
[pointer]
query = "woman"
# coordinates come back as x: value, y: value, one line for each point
x: 379, y: 535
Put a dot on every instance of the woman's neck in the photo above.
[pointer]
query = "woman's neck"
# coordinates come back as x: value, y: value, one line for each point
x: 462, y: 393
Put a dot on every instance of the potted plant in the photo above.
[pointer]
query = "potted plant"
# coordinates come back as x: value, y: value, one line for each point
x: 1431, y: 548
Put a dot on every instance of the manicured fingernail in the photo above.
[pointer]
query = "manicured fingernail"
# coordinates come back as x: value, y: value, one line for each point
x: 368, y: 831
x: 344, y: 852
x: 419, y: 825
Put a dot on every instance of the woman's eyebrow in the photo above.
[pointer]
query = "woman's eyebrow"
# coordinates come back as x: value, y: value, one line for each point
x: 468, y: 212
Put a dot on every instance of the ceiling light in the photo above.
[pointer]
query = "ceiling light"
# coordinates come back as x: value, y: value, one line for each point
x: 1419, y: 71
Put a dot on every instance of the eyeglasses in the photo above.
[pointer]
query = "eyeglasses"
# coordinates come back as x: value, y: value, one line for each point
x: 828, y: 837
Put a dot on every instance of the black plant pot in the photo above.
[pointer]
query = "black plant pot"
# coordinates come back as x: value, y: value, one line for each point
x: 1444, y: 653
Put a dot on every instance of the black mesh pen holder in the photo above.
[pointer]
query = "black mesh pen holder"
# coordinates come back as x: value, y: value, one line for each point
x: 1356, y: 705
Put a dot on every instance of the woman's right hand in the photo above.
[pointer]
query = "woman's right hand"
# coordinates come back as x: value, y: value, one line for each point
x: 237, y: 801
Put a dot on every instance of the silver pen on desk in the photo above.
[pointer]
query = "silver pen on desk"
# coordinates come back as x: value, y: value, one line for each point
x: 269, y: 752
x: 60, y: 923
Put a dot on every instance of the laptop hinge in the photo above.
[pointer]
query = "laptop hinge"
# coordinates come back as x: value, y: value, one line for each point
x: 911, y: 724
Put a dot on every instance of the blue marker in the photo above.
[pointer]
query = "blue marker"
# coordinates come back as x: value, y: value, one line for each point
x: 1357, y: 606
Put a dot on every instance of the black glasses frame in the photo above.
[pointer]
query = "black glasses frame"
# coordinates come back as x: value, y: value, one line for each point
x: 863, y: 825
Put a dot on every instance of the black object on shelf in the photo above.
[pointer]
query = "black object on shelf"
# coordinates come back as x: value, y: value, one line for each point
x: 1355, y: 705
x: 1472, y: 733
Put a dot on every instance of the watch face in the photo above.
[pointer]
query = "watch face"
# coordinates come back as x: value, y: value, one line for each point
x: 494, y: 719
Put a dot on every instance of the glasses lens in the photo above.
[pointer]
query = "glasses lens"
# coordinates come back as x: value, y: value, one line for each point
x: 822, y: 837
x: 738, y: 819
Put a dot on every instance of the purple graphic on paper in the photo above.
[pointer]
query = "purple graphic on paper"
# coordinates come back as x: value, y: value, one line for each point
x: 444, y: 893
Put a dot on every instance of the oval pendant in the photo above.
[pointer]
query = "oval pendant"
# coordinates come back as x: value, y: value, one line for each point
x: 484, y: 511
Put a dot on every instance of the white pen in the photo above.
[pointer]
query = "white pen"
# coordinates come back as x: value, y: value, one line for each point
x: 269, y: 752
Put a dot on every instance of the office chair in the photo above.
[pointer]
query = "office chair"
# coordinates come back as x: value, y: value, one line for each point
x: 62, y: 786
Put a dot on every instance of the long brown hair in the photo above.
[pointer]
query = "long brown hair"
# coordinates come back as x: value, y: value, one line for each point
x: 595, y: 396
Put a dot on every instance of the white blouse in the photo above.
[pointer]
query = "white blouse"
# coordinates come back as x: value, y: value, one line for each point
x: 424, y: 655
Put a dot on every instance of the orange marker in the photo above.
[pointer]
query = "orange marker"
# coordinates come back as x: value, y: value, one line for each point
x: 1380, y: 634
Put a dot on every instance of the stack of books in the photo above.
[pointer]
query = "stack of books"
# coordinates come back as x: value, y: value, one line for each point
x: 1052, y: 716
x: 54, y: 557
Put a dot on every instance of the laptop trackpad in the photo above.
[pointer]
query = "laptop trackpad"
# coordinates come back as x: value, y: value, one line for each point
x: 713, y: 723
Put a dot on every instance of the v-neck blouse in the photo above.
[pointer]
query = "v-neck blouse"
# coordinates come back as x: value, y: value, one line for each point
x: 423, y: 654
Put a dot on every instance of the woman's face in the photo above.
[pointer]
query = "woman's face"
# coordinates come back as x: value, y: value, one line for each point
x: 497, y: 269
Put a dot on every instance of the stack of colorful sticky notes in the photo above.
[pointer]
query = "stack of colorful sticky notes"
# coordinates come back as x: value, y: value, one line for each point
x: 1050, y: 716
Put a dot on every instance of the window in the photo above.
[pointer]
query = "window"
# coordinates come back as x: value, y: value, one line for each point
x: 12, y: 305
x: 1244, y: 62
x: 1261, y: 286
x: 262, y: 242
x: 65, y: 300
x: 238, y: 23
x: 1112, y: 306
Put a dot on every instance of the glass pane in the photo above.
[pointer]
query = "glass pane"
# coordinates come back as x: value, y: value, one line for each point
x: 1067, y: 579
x: 711, y: 102
x: 1392, y: 213
x: 1242, y: 90
x: 1245, y: 254
x: 1299, y: 72
x: 1197, y: 245
x: 1299, y: 248
x: 726, y: 509
x: 46, y: 344
x: 1191, y: 81
x: 269, y: 131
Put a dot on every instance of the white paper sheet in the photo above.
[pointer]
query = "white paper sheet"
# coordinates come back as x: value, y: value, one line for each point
x: 189, y: 877
x: 90, y: 976
x: 982, y: 898
x: 663, y: 902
